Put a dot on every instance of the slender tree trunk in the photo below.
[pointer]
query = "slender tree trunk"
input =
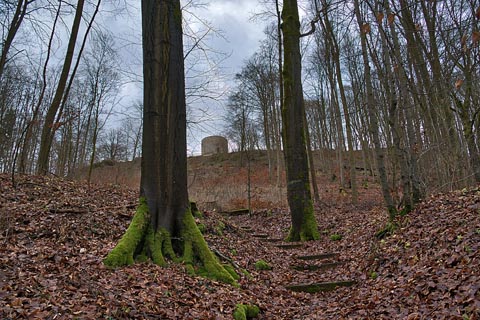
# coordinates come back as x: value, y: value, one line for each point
x: 304, y: 226
x: 36, y: 111
x: 348, y: 127
x: 374, y: 131
x: 280, y: 88
x: 48, y: 130
x: 311, y: 160
x: 20, y: 12
x: 411, y: 157
x: 94, y: 149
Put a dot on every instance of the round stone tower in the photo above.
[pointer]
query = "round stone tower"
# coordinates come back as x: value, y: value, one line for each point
x: 213, y: 145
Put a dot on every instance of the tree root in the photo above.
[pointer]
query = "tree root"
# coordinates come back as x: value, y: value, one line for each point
x: 141, y: 243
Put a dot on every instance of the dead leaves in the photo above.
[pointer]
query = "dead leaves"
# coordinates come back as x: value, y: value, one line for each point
x: 366, y: 28
x: 50, y: 261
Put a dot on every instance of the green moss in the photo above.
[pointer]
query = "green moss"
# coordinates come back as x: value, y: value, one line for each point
x: 243, y: 311
x: 141, y: 258
x: 196, y: 213
x: 262, y: 265
x: 336, y: 237
x: 219, y: 228
x: 406, y: 210
x: 246, y: 273
x: 389, y: 229
x: 123, y: 253
x: 194, y: 242
x: 231, y: 270
x: 140, y: 242
x: 201, y: 227
x: 309, y: 228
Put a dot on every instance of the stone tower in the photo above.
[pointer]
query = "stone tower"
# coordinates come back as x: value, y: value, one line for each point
x: 214, y: 145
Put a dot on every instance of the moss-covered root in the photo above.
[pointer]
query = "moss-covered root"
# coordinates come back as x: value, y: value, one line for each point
x: 244, y: 312
x: 308, y: 230
x: 123, y: 253
x: 196, y: 247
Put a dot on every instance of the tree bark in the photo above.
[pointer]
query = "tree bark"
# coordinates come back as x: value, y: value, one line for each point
x: 304, y: 225
x: 164, y: 213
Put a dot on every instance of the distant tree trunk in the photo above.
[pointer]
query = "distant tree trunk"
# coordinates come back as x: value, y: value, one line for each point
x: 29, y: 130
x: 374, y: 130
x: 304, y: 225
x: 407, y: 157
x: 94, y: 148
x: 20, y: 12
x: 348, y: 127
x: 280, y: 89
x: 164, y: 213
x: 48, y: 130
x: 311, y: 160
x: 136, y: 142
x: 412, y: 154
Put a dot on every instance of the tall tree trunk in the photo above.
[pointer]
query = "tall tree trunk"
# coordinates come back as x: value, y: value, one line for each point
x: 311, y: 160
x: 29, y: 130
x: 348, y: 126
x: 164, y: 213
x: 280, y: 89
x: 48, y: 130
x: 17, y: 19
x: 304, y: 225
x: 412, y: 154
x: 373, y: 128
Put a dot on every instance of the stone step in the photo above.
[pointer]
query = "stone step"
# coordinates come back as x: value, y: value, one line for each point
x: 247, y: 229
x: 319, y: 256
x: 289, y: 245
x: 260, y: 235
x: 272, y: 239
x: 320, y: 287
x: 314, y: 267
x: 237, y: 212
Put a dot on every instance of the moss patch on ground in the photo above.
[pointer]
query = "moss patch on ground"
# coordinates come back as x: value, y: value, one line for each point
x: 262, y: 265
x: 245, y: 311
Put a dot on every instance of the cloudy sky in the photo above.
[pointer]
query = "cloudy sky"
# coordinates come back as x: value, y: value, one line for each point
x: 239, y: 39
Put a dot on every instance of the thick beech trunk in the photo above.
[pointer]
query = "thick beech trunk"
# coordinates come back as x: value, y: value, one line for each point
x: 164, y: 213
x: 304, y: 226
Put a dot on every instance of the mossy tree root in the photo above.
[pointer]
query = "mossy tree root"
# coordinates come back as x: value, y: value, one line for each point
x: 124, y: 252
x: 196, y: 247
x: 141, y: 243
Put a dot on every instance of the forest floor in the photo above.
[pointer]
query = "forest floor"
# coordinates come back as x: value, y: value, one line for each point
x: 54, y: 234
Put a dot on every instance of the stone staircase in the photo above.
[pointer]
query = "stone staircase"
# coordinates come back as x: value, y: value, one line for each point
x: 313, y: 262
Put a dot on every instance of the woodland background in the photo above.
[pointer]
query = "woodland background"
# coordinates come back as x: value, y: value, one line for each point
x: 422, y: 103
